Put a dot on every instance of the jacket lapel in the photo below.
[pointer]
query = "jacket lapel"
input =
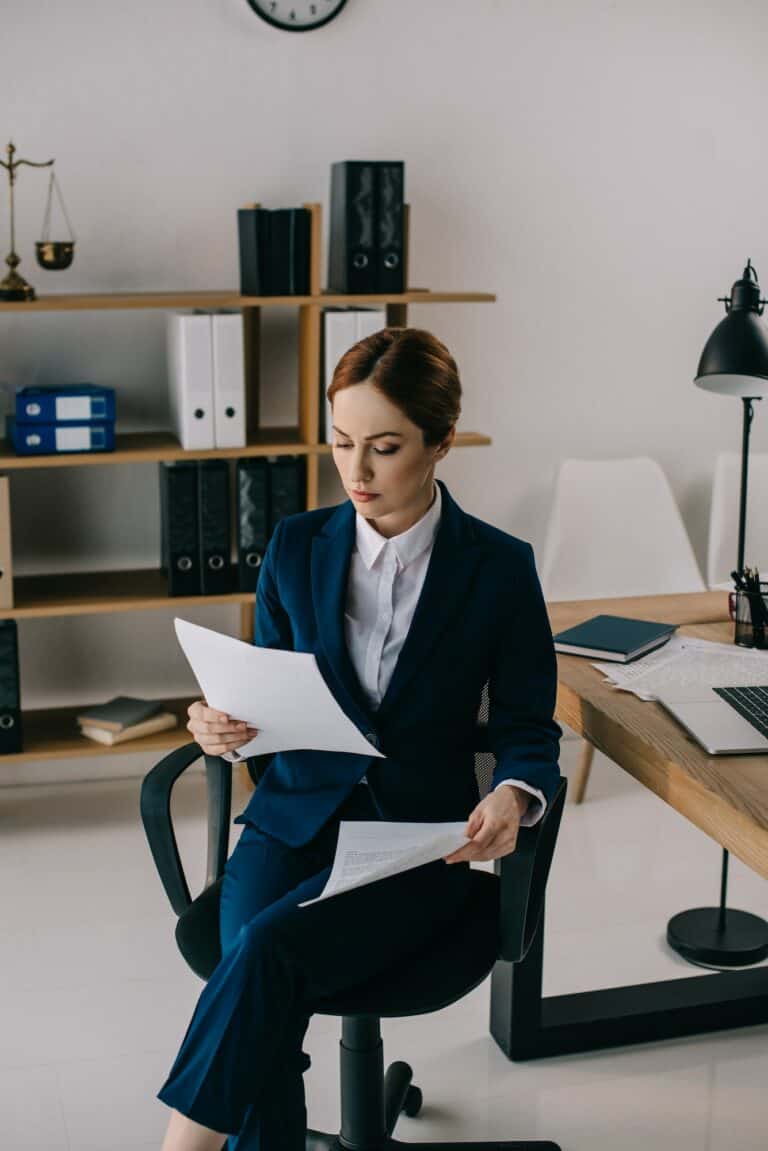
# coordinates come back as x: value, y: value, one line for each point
x: 452, y: 565
x: 331, y: 556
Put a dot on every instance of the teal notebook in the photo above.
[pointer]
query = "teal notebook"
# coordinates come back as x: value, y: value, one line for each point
x: 612, y: 637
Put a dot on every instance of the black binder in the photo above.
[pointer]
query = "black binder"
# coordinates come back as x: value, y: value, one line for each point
x: 214, y: 520
x: 11, y: 739
x: 289, y: 252
x: 253, y: 234
x: 352, y: 242
x: 274, y: 251
x: 366, y: 248
x: 179, y: 521
x: 252, y: 519
x: 287, y: 487
x: 389, y: 255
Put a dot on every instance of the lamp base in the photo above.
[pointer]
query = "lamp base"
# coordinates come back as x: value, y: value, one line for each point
x: 698, y: 935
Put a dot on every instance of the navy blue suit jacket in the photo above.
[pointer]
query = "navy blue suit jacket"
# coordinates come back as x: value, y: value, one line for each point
x: 480, y: 618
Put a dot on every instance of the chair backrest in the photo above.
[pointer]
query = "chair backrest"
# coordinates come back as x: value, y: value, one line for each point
x: 616, y: 530
x: 723, y: 542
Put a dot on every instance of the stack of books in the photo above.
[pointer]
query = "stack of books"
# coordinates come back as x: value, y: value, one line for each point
x: 124, y: 718
x: 66, y: 418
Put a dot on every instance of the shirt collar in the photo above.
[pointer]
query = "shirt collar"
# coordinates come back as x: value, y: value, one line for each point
x: 407, y: 546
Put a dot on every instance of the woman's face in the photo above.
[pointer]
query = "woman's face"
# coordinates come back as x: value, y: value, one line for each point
x: 379, y: 451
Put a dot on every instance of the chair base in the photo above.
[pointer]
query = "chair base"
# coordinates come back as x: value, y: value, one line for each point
x: 372, y: 1101
x: 319, y: 1141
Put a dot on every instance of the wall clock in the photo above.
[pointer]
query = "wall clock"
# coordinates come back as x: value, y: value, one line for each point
x: 297, y: 15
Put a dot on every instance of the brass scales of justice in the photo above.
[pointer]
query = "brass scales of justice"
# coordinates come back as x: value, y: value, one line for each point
x: 51, y: 254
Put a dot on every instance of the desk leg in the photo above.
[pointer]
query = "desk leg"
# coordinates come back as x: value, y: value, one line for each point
x: 528, y: 1026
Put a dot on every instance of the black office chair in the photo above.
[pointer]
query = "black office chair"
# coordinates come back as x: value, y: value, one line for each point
x: 501, y: 918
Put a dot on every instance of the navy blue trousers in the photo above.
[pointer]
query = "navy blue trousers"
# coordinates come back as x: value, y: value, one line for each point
x: 239, y: 1068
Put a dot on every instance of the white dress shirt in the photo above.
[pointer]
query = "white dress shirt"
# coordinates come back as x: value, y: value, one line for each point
x: 385, y: 581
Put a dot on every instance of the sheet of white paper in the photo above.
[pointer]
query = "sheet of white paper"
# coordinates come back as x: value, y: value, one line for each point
x: 688, y: 662
x: 367, y: 851
x: 280, y: 692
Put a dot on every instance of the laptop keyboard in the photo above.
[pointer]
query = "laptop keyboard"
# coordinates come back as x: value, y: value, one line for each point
x: 750, y: 702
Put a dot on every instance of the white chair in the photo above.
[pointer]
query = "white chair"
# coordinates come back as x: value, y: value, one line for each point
x: 615, y: 530
x: 723, y: 541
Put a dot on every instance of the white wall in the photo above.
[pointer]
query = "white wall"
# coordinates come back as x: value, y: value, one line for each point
x: 601, y: 166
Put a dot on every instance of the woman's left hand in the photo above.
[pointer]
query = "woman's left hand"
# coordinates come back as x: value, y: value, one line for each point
x: 493, y: 826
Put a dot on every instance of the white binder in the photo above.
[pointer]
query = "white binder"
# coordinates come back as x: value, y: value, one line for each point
x: 228, y: 379
x: 342, y: 329
x: 190, y: 372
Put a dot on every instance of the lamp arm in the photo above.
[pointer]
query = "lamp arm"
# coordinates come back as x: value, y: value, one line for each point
x: 749, y: 414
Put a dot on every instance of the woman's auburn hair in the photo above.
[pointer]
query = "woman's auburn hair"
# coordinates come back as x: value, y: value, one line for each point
x: 413, y: 369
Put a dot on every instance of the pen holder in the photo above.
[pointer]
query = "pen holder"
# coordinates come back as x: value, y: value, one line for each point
x: 749, y: 611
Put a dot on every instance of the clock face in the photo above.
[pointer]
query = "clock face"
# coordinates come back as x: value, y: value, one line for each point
x: 297, y: 15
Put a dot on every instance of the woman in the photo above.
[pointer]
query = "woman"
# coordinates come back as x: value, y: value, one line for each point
x: 410, y: 606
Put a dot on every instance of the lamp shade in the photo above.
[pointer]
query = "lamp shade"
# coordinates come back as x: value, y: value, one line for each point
x: 735, y: 357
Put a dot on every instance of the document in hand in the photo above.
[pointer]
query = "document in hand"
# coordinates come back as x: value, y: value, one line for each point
x: 280, y: 692
x: 370, y: 850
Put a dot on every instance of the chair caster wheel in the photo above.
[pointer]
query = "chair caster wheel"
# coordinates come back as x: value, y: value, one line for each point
x: 413, y: 1102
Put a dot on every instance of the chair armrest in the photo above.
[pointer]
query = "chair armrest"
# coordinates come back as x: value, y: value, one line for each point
x: 523, y: 880
x: 155, y: 806
x: 218, y: 776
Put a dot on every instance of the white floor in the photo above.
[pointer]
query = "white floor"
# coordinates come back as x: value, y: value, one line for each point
x: 95, y: 998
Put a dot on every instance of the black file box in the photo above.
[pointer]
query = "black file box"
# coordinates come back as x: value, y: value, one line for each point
x: 289, y: 251
x: 11, y: 739
x: 389, y: 223
x: 352, y: 241
x: 253, y: 235
x: 288, y: 487
x: 366, y: 246
x: 214, y: 520
x: 180, y: 527
x: 252, y: 477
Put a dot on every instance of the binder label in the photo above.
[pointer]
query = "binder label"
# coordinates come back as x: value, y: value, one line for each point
x: 73, y: 407
x: 73, y: 439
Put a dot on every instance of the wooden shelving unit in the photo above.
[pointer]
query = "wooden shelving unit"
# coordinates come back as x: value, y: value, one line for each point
x: 53, y: 733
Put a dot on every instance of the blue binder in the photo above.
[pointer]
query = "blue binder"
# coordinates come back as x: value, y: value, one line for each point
x: 68, y: 404
x: 52, y: 439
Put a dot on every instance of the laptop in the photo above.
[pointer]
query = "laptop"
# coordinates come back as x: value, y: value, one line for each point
x: 724, y: 720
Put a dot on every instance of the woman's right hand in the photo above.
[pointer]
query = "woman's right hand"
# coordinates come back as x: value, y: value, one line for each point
x: 215, y: 731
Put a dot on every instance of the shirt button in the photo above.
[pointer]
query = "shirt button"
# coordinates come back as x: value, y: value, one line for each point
x: 373, y: 738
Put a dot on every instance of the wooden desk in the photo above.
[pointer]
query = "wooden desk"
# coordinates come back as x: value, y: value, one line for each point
x: 725, y: 796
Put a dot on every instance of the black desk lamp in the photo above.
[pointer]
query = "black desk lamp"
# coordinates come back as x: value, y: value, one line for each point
x: 735, y: 363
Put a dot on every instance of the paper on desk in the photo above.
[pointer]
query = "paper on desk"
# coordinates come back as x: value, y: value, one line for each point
x: 689, y: 662
x: 370, y: 850
x: 280, y: 692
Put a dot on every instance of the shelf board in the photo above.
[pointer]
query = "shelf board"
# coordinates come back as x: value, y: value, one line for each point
x: 53, y: 733
x: 122, y: 301
x: 95, y: 593
x: 463, y: 440
x: 144, y: 447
